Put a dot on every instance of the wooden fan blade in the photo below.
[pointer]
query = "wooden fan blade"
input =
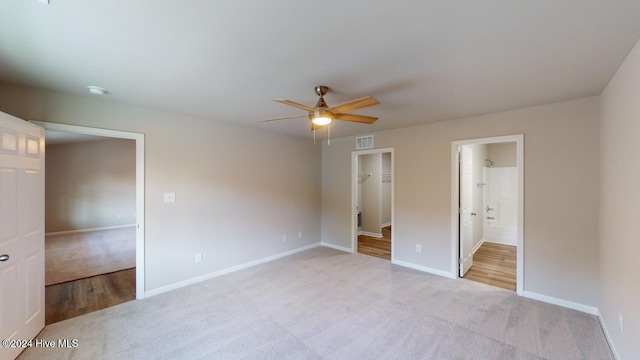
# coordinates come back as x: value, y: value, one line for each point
x: 295, y: 104
x: 356, y: 118
x: 354, y: 105
x: 285, y: 118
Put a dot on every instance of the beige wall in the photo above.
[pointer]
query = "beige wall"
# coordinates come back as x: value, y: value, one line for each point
x: 238, y: 189
x: 619, y: 203
x: 503, y: 154
x: 561, y: 184
x: 90, y: 184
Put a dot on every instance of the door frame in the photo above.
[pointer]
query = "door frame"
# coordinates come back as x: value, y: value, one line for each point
x: 455, y: 197
x: 354, y: 196
x: 140, y: 166
x: 462, y: 270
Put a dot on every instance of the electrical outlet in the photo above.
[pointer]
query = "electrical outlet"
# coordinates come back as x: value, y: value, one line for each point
x: 198, y: 257
x: 284, y: 238
x: 169, y: 197
x: 299, y: 234
x: 620, y: 321
x: 418, y: 248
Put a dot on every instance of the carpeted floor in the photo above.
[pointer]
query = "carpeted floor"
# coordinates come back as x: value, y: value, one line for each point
x: 76, y: 256
x: 324, y: 304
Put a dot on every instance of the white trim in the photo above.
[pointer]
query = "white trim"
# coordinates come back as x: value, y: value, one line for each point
x: 423, y: 269
x: 386, y: 224
x: 140, y: 190
x: 366, y: 233
x: 455, y: 195
x: 337, y: 247
x: 501, y: 243
x: 475, y: 248
x: 354, y: 196
x: 560, y: 302
x: 214, y: 274
x: 607, y: 336
x: 88, y: 230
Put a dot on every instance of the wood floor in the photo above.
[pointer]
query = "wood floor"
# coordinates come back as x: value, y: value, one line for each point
x: 378, y: 247
x: 494, y: 264
x: 75, y: 298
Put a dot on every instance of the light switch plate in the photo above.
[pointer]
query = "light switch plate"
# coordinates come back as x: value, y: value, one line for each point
x: 169, y: 197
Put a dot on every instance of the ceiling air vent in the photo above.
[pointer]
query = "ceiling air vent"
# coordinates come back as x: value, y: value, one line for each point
x: 364, y: 142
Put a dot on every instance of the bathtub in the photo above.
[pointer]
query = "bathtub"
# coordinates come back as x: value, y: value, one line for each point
x: 500, y: 234
x: 500, y: 197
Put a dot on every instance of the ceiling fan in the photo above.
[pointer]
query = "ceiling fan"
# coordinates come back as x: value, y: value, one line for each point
x: 322, y: 114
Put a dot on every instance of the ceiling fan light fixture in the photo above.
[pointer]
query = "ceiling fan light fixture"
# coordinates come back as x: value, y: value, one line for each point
x: 322, y: 118
x: 323, y: 115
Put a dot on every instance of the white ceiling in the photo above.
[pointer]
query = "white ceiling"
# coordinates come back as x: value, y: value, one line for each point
x: 226, y: 60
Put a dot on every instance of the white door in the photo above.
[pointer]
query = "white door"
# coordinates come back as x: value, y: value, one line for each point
x: 466, y: 209
x: 21, y: 232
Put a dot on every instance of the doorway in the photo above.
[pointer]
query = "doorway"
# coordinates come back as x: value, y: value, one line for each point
x: 90, y: 218
x: 137, y: 218
x: 487, y: 211
x: 372, y: 203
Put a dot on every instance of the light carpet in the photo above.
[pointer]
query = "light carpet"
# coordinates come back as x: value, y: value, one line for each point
x: 325, y: 304
x: 81, y: 255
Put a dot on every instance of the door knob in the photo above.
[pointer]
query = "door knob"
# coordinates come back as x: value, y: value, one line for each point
x: 4, y: 257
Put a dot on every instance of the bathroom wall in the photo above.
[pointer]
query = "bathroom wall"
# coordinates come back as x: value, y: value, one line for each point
x: 502, y: 154
x: 501, y: 194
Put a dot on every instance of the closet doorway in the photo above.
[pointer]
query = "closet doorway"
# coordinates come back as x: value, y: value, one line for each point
x: 372, y: 203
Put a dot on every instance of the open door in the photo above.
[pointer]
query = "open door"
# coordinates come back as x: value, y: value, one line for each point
x: 22, y: 311
x: 466, y: 209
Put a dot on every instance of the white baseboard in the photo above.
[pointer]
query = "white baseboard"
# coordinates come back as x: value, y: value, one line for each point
x: 560, y: 302
x: 475, y: 248
x: 214, y: 274
x: 386, y: 224
x: 366, y: 233
x: 494, y: 241
x: 88, y: 230
x: 608, y: 337
x: 337, y: 247
x: 423, y: 269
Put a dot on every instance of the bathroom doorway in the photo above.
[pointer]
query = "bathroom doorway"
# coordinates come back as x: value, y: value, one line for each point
x: 488, y: 219
x: 372, y: 195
